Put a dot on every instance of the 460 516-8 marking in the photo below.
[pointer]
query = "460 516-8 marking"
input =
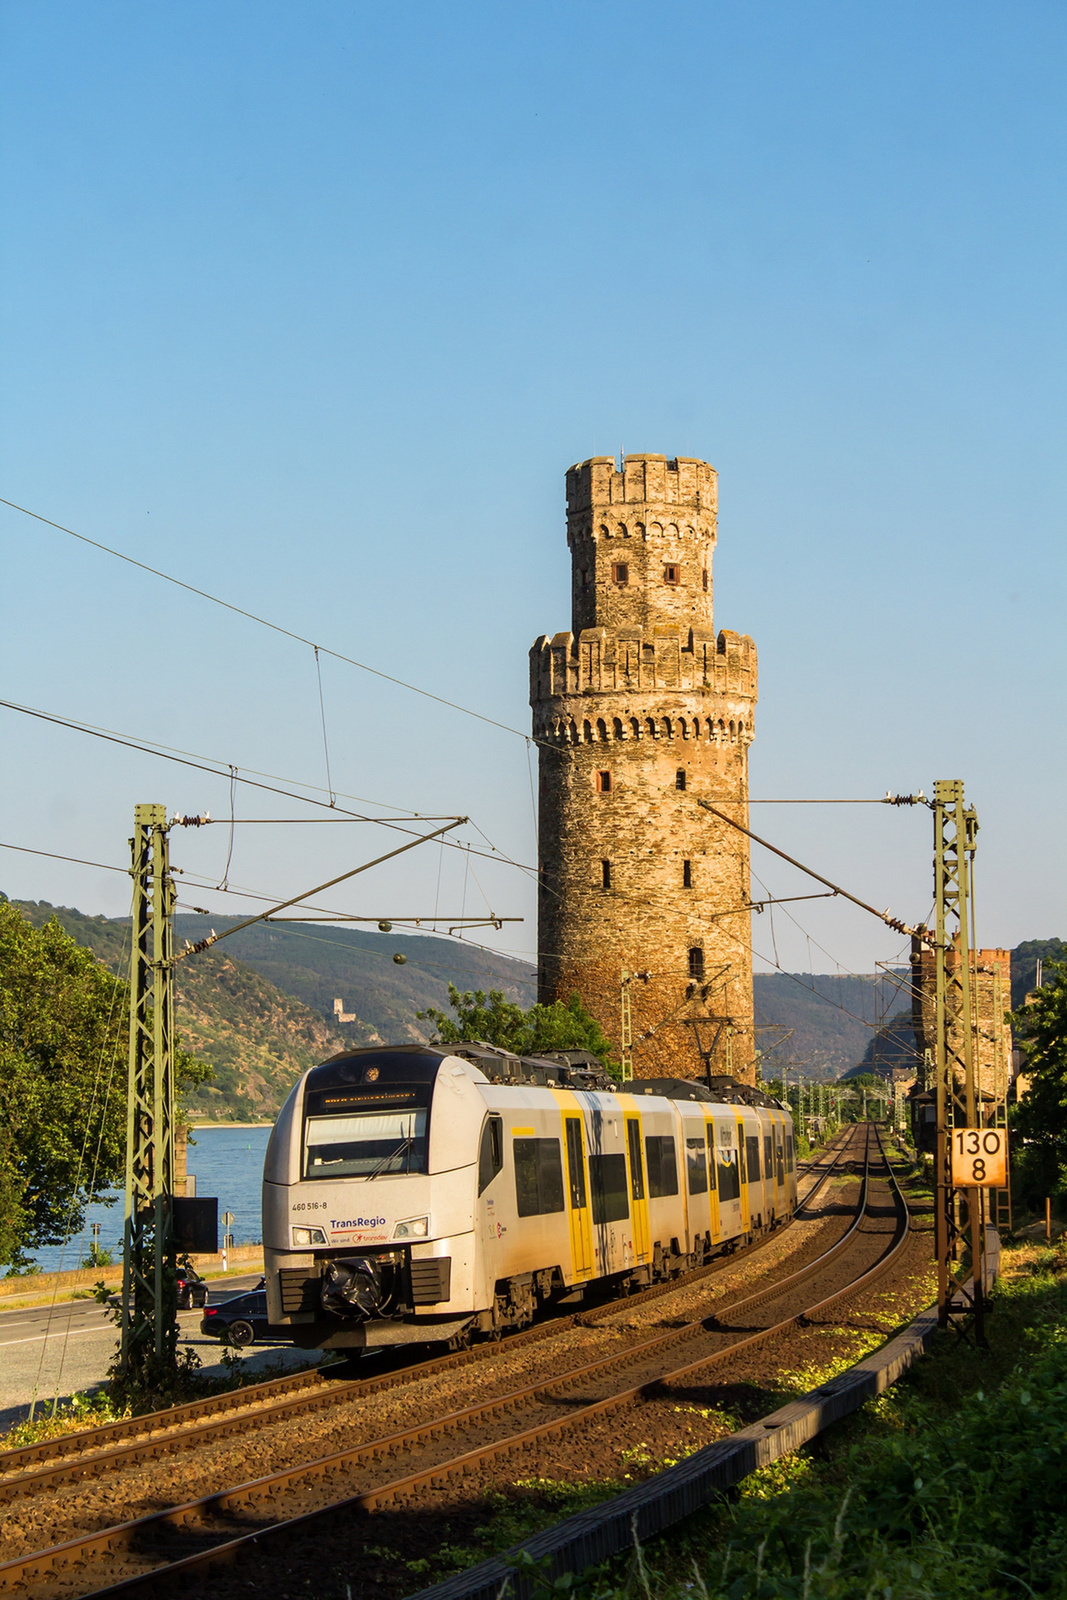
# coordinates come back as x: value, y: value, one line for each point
x: 979, y: 1158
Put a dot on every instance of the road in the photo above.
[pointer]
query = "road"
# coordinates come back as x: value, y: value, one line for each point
x: 66, y: 1349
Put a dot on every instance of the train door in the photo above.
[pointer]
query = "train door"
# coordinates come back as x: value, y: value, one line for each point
x: 769, y: 1192
x: 757, y: 1197
x: 713, y: 1185
x: 696, y: 1182
x: 578, y: 1189
x: 742, y: 1173
x: 638, y: 1192
x: 729, y: 1181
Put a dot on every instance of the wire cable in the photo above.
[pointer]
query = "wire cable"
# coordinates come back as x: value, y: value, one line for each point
x: 263, y: 622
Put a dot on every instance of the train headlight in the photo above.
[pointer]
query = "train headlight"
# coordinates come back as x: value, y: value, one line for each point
x: 417, y: 1228
x: 308, y: 1236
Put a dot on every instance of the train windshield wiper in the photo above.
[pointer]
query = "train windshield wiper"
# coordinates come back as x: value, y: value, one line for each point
x: 405, y: 1144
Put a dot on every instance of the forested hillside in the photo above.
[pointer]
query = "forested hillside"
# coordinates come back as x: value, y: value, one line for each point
x: 260, y: 1006
x: 257, y: 1039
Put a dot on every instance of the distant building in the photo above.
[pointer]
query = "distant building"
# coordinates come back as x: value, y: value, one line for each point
x: 640, y: 711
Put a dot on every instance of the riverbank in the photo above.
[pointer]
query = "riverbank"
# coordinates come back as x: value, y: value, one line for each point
x: 44, y: 1288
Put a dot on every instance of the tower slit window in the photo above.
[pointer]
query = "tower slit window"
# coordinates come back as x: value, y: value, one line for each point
x: 603, y: 782
x: 687, y: 874
x: 696, y: 963
x: 672, y: 573
x: 605, y: 874
x: 679, y: 778
x: 620, y: 573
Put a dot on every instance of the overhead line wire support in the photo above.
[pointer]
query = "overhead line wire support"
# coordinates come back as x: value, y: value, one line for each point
x: 959, y: 1214
x: 883, y: 916
x: 148, y: 1318
x: 265, y: 916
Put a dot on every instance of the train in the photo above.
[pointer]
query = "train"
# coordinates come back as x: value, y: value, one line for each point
x: 420, y: 1193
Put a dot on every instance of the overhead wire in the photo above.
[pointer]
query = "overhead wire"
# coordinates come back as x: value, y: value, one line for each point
x: 263, y: 622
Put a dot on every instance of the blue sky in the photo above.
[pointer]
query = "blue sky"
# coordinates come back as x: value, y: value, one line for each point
x: 312, y: 305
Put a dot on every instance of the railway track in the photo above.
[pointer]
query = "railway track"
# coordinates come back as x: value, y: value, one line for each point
x: 172, y: 1543
x: 93, y: 1451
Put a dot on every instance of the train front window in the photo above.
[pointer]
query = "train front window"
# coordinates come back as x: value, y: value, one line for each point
x: 366, y: 1144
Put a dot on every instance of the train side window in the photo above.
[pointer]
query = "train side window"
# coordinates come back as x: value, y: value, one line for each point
x: 607, y: 1180
x: 662, y: 1165
x: 729, y: 1178
x: 696, y: 1166
x: 741, y: 1173
x: 711, y: 1155
x: 538, y: 1177
x: 490, y: 1153
x: 575, y: 1163
x: 752, y: 1153
x: 779, y: 1156
x: 637, y: 1173
x: 768, y: 1154
x: 789, y: 1149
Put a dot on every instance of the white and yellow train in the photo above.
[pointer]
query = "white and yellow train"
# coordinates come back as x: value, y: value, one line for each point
x: 435, y: 1192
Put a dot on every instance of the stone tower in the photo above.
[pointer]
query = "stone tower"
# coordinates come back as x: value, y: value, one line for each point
x: 640, y: 711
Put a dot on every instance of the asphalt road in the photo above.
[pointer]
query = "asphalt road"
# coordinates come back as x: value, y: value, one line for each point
x: 66, y: 1349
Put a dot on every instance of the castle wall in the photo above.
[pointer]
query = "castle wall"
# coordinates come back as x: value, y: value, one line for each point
x: 640, y: 711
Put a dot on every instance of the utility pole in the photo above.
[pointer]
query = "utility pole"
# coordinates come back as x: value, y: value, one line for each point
x: 149, y: 1292
x: 955, y: 1225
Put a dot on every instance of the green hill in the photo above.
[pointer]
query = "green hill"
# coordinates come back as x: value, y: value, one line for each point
x: 260, y: 1007
x: 833, y: 1019
x: 257, y: 1039
x: 320, y: 964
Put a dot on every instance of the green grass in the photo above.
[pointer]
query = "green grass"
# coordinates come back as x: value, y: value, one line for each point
x: 950, y: 1484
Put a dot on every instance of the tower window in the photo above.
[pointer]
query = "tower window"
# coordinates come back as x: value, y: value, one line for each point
x: 696, y: 963
x: 679, y: 778
x: 672, y: 574
x: 603, y: 782
x: 687, y: 874
x: 620, y: 573
x: 605, y: 874
x: 704, y: 576
x: 585, y: 578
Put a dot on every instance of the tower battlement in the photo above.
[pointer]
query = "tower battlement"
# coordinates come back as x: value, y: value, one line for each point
x: 606, y: 660
x: 679, y: 481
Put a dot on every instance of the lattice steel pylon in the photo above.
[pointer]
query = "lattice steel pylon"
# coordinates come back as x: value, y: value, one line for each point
x: 959, y: 1214
x: 149, y: 1291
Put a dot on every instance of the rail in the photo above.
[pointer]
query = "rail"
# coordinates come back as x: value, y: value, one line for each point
x: 136, y: 1536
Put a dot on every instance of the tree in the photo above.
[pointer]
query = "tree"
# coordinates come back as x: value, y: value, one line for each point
x: 63, y: 1020
x: 494, y: 1020
x: 1041, y: 1115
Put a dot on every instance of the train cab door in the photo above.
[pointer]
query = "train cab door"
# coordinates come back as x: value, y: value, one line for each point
x: 742, y: 1173
x: 581, y: 1222
x: 642, y: 1235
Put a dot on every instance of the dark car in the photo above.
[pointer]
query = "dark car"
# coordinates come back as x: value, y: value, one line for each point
x: 192, y: 1290
x: 240, y: 1320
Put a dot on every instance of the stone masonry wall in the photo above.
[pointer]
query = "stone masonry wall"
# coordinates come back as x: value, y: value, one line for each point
x: 638, y: 712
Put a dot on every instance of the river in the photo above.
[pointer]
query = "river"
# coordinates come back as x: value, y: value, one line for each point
x: 227, y: 1162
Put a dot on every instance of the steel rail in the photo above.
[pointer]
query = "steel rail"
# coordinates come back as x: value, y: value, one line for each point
x: 86, y: 1453
x: 78, y: 1550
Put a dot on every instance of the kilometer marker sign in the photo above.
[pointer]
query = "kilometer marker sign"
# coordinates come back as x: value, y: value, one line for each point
x: 980, y: 1158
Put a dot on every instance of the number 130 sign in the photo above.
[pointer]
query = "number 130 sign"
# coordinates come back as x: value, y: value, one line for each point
x: 979, y: 1158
